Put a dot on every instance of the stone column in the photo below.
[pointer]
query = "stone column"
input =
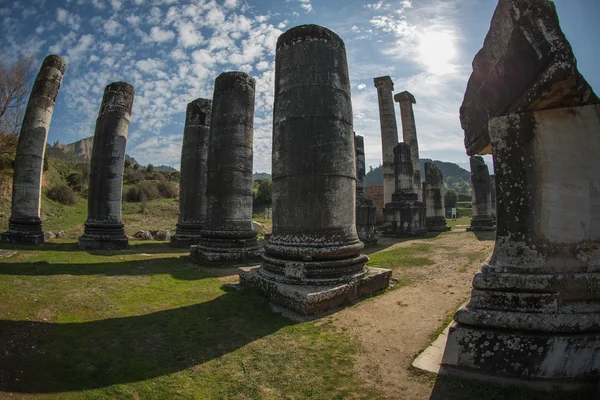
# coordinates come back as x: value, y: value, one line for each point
x: 493, y: 204
x: 366, y: 213
x: 481, y: 219
x: 312, y: 260
x: 228, y: 232
x: 25, y: 225
x: 405, y: 213
x: 192, y: 187
x: 534, y: 313
x: 389, y: 132
x: 409, y: 135
x: 104, y: 228
x: 433, y: 193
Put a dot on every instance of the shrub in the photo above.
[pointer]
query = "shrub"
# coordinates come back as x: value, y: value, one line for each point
x: 133, y: 176
x: 62, y: 194
x: 77, y: 181
x: 167, y: 189
x: 142, y: 191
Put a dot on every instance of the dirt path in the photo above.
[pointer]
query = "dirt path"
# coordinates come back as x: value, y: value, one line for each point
x: 395, y: 327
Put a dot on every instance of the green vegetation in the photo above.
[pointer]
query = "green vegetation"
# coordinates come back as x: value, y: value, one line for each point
x: 62, y: 194
x: 148, y: 323
x: 414, y: 255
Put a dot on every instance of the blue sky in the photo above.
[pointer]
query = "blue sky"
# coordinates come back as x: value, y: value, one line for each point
x: 172, y: 50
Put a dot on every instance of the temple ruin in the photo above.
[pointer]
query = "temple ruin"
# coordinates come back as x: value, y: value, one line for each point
x: 25, y: 225
x: 192, y: 185
x: 389, y: 133
x: 481, y: 192
x: 405, y: 213
x: 366, y: 213
x: 312, y: 260
x: 534, y: 313
x: 433, y: 196
x: 493, y: 204
x: 227, y: 233
x: 104, y: 228
x: 409, y: 136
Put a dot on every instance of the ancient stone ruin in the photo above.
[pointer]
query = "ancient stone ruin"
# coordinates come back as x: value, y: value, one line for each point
x: 366, y: 213
x: 25, y: 225
x: 192, y: 189
x: 534, y: 312
x: 433, y: 196
x: 493, y: 206
x: 405, y: 213
x: 409, y: 136
x: 227, y: 233
x: 312, y: 260
x: 481, y: 192
x: 389, y: 133
x: 104, y: 228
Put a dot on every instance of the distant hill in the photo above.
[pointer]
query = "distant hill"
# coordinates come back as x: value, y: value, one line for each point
x: 165, y: 168
x: 455, y: 177
x: 257, y: 176
x: 80, y: 151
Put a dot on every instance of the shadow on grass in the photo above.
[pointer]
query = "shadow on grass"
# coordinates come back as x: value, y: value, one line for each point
x: 39, y: 357
x: 182, y: 268
x: 385, y: 242
x: 485, y: 235
x: 135, y: 247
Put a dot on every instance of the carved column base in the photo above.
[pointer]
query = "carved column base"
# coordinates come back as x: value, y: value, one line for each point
x: 103, y: 236
x: 23, y: 231
x: 186, y: 235
x: 227, y: 246
x: 482, y: 223
x: 436, y: 224
x: 406, y: 218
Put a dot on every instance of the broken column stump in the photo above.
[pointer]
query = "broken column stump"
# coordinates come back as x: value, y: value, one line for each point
x: 433, y: 195
x: 25, y: 225
x: 405, y: 214
x: 534, y: 313
x: 227, y: 234
x: 366, y: 213
x: 409, y: 135
x: 104, y: 228
x: 389, y: 132
x: 312, y: 260
x: 481, y: 192
x: 192, y: 187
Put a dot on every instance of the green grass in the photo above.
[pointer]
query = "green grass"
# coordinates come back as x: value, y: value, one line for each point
x: 466, y: 221
x: 149, y: 323
x: 414, y: 255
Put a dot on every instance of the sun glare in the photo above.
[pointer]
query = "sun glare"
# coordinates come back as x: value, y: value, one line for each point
x: 436, y: 51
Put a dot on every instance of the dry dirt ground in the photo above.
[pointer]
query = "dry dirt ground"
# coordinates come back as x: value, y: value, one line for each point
x: 395, y: 327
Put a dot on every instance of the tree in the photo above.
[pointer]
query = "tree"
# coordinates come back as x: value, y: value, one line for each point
x: 15, y: 85
x: 150, y: 168
x: 450, y: 199
x: 263, y: 194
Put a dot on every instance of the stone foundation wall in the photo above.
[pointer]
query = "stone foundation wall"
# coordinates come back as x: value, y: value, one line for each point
x: 375, y: 193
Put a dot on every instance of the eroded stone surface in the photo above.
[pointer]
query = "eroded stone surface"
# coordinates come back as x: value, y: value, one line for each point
x: 481, y: 219
x: 389, y: 132
x: 366, y: 213
x: 526, y: 64
x: 25, y: 225
x: 192, y: 189
x: 409, y: 134
x: 405, y: 214
x: 227, y: 233
x: 104, y: 228
x: 433, y: 195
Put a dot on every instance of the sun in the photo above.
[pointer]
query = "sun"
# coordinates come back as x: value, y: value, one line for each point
x: 436, y: 52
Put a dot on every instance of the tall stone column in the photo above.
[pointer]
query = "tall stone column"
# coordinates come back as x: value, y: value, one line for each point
x: 366, y: 213
x: 405, y: 213
x: 493, y: 198
x: 192, y: 186
x: 312, y: 260
x: 228, y: 233
x: 534, y: 313
x: 389, y: 132
x: 409, y: 136
x: 481, y: 219
x: 25, y: 225
x: 433, y: 194
x: 104, y: 228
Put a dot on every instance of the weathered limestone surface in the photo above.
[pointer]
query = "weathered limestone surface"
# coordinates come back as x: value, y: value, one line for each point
x: 493, y: 204
x: 526, y: 64
x: 534, y: 313
x: 192, y: 189
x: 25, y: 225
x: 433, y: 195
x: 481, y: 219
x: 366, y: 213
x: 228, y: 233
x: 406, y: 214
x: 409, y: 136
x: 104, y: 228
x: 312, y: 260
x: 389, y: 133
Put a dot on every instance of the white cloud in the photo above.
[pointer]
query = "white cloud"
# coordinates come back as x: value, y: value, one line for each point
x: 112, y: 28
x: 188, y: 35
x: 159, y: 35
x: 305, y: 4
x: 66, y: 18
x: 361, y: 86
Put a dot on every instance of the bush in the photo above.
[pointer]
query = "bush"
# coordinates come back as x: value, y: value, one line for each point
x: 62, y: 194
x: 77, y: 181
x: 167, y: 189
x: 133, y: 176
x: 142, y: 191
